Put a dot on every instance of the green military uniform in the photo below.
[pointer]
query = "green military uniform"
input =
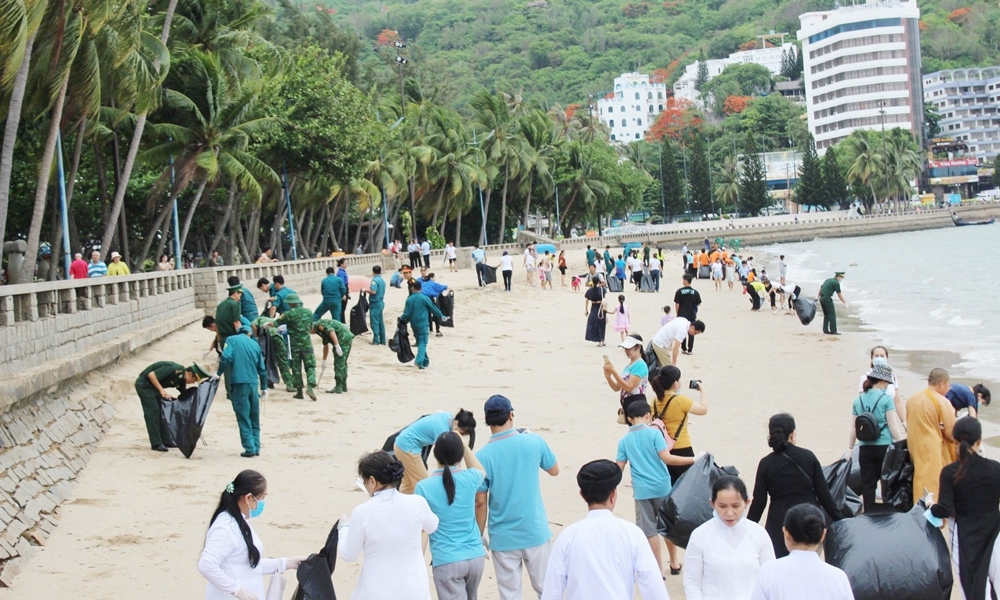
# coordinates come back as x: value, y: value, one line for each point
x: 280, y: 349
x: 345, y: 337
x: 417, y: 312
x: 830, y: 287
x: 227, y: 313
x: 243, y: 365
x: 170, y: 375
x: 299, y: 320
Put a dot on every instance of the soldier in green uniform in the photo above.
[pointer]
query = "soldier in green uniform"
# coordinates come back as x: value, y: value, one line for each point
x: 151, y: 386
x: 417, y: 312
x: 376, y: 293
x: 248, y: 306
x: 243, y: 365
x: 340, y: 336
x: 260, y: 327
x: 826, y: 291
x: 227, y: 315
x: 299, y: 320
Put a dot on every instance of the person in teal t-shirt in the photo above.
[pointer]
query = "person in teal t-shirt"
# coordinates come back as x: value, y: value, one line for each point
x: 416, y: 436
x: 644, y: 449
x: 417, y: 312
x: 875, y: 400
x: 376, y: 304
x: 457, y: 553
x: 517, y: 524
x: 334, y: 293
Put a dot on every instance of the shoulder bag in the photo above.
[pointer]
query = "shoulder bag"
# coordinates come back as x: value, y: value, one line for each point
x: 659, y: 424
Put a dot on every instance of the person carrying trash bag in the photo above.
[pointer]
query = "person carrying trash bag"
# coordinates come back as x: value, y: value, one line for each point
x: 299, y: 321
x: 243, y: 365
x: 417, y: 312
x: 261, y: 326
x: 335, y: 333
x: 151, y: 385
x: 376, y: 304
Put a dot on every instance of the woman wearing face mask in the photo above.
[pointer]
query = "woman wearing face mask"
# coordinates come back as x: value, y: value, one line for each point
x: 880, y: 356
x: 874, y: 400
x: 802, y: 574
x: 232, y: 560
x: 724, y: 555
x: 789, y: 475
x: 387, y: 528
x: 970, y: 493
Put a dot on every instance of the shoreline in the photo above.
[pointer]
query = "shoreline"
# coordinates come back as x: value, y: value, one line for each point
x: 135, y: 522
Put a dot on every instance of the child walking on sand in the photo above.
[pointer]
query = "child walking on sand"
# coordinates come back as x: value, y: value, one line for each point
x: 622, y: 319
x: 667, y: 317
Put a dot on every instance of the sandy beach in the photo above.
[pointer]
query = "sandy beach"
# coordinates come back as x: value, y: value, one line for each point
x: 135, y: 524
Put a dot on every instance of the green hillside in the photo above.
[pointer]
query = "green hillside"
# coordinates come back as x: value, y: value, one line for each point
x: 559, y: 51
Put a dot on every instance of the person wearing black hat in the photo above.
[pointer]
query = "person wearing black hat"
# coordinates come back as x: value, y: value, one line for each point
x: 826, y: 291
x: 876, y: 425
x: 151, y: 386
x: 602, y: 557
x: 511, y: 497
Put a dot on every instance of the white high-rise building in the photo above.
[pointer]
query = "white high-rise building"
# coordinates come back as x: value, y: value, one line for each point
x: 631, y: 109
x: 968, y: 101
x: 862, y: 69
x: 766, y: 57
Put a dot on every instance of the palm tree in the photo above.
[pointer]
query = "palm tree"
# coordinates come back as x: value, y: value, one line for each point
x: 212, y: 132
x: 582, y: 182
x: 540, y: 140
x: 867, y: 165
x: 19, y: 24
x: 727, y: 190
x: 496, y: 113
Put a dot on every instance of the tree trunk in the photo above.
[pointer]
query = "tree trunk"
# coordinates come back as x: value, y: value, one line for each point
x: 10, y: 133
x: 485, y: 216
x: 148, y: 243
x: 243, y: 240
x: 527, y: 201
x: 225, y: 219
x: 190, y: 214
x: 503, y: 202
x: 253, y: 234
x: 123, y: 234
x: 41, y: 193
x: 325, y: 237
x: 234, y: 228
x: 74, y: 167
x: 458, y: 230
x: 444, y: 220
x: 133, y: 148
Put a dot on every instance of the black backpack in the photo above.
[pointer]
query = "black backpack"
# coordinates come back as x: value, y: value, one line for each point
x: 866, y: 427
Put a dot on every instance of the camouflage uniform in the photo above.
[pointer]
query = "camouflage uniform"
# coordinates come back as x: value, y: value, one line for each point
x: 299, y: 320
x: 345, y: 337
x: 261, y: 323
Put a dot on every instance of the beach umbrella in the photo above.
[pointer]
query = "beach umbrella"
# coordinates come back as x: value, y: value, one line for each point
x: 184, y: 417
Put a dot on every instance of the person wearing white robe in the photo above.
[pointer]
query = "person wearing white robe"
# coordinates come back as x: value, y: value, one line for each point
x: 802, y: 574
x: 724, y: 555
x: 602, y: 557
x: 388, y: 529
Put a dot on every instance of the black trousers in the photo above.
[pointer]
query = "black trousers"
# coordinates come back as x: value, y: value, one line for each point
x: 506, y: 279
x: 870, y: 460
x: 427, y: 260
x: 677, y: 471
x: 414, y: 260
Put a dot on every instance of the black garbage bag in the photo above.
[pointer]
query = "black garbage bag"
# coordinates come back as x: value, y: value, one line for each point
x: 359, y: 314
x: 184, y: 417
x: 687, y: 506
x: 853, y: 506
x: 646, y: 283
x: 805, y: 309
x: 446, y: 302
x: 652, y: 360
x: 891, y: 555
x: 615, y: 285
x: 315, y: 574
x: 837, y: 475
x: 270, y: 353
x: 854, y: 480
x: 897, y: 477
x: 487, y: 273
x: 704, y: 272
x: 400, y: 344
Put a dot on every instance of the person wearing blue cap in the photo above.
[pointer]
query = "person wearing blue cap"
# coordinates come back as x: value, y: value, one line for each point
x: 243, y: 365
x: 509, y: 501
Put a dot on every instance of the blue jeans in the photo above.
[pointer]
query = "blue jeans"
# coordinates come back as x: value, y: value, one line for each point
x: 655, y: 275
x: 422, y: 335
x: 327, y: 305
x: 377, y: 324
x: 246, y: 405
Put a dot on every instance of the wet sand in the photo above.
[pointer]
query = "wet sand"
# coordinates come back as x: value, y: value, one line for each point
x: 135, y: 524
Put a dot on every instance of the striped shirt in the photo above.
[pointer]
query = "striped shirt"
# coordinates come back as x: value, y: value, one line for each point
x: 98, y: 269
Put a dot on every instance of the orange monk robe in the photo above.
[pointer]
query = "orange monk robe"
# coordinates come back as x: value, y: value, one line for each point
x: 930, y: 419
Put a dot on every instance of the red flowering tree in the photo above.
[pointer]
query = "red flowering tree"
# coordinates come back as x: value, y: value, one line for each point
x: 387, y: 37
x: 679, y: 120
x: 735, y: 104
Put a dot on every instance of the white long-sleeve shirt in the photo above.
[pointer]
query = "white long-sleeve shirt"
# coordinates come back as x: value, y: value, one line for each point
x: 602, y: 558
x: 722, y: 562
x: 799, y: 575
x: 225, y: 563
x: 387, y: 528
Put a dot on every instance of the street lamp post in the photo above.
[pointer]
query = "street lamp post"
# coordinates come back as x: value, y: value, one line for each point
x: 401, y: 61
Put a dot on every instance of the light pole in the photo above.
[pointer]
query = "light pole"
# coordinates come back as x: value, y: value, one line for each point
x: 482, y: 209
x: 401, y: 61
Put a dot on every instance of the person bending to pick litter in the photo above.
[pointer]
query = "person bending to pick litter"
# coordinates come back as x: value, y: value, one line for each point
x: 299, y: 321
x: 340, y: 336
x: 417, y: 312
x: 151, y: 386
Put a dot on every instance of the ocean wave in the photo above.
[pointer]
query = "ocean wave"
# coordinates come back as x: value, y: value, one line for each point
x: 962, y: 322
x: 945, y: 312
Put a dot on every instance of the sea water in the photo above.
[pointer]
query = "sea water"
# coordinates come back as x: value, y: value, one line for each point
x: 934, y: 290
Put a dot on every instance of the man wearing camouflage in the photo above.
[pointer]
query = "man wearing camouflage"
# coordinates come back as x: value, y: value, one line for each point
x: 261, y: 327
x: 340, y: 336
x: 299, y: 321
